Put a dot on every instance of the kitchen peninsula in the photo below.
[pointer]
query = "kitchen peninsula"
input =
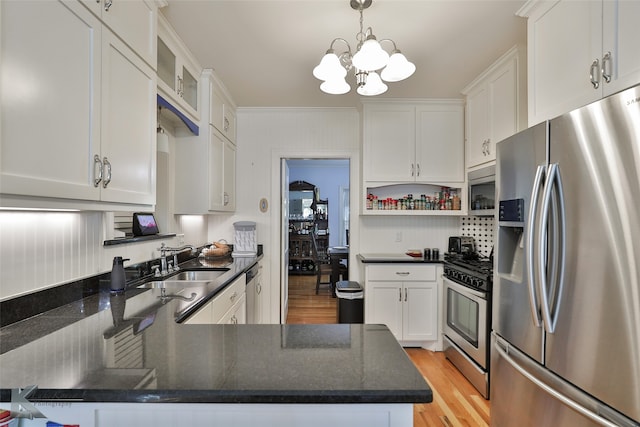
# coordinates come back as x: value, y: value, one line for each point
x: 115, y: 361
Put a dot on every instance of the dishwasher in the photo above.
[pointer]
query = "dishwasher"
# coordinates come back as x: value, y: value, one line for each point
x: 254, y: 288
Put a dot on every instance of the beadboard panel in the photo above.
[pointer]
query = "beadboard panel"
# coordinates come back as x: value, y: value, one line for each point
x: 380, y: 234
x: 39, y: 250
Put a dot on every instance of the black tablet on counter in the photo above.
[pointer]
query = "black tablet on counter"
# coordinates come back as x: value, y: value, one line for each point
x: 144, y: 224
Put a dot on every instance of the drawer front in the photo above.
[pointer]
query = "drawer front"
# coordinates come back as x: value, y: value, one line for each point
x: 400, y: 272
x: 229, y: 296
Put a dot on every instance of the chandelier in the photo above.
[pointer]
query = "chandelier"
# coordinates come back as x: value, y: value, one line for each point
x: 368, y: 59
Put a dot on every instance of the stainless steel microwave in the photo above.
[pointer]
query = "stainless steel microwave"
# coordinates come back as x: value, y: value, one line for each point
x: 482, y: 191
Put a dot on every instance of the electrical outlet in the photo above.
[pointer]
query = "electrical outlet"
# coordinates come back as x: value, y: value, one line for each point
x: 399, y: 236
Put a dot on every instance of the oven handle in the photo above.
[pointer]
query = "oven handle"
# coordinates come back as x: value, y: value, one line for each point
x: 461, y: 289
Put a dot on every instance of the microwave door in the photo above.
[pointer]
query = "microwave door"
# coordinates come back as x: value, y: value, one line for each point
x: 482, y: 191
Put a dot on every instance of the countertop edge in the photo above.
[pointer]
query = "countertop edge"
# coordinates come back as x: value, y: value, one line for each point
x: 226, y: 396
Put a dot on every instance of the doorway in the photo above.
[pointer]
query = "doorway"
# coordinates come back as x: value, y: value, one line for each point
x: 307, y: 301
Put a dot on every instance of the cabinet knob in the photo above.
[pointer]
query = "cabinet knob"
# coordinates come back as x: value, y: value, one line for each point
x: 593, y: 74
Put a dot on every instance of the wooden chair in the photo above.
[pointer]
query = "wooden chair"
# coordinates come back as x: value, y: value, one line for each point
x: 323, y: 265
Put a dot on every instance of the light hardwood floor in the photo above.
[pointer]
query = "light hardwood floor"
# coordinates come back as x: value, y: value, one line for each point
x: 455, y: 402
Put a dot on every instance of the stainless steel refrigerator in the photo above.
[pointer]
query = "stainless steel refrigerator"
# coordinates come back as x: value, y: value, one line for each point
x: 566, y: 298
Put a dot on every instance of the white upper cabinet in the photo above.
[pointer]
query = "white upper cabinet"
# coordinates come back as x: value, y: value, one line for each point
x: 496, y: 107
x: 414, y: 142
x: 597, y: 56
x: 134, y: 21
x: 207, y: 163
x: 389, y: 142
x: 128, y: 125
x: 178, y: 71
x: 223, y: 110
x: 78, y: 111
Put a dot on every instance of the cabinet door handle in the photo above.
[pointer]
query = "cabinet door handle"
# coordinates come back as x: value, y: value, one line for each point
x: 226, y: 198
x: 226, y: 124
x: 107, y: 166
x: 402, y: 273
x: 405, y: 294
x: 107, y: 5
x: 234, y: 320
x: 417, y: 169
x: 593, y: 71
x: 179, y: 88
x: 97, y: 170
x: 233, y: 296
x: 400, y: 294
x: 488, y: 146
x: 606, y: 59
x: 412, y: 169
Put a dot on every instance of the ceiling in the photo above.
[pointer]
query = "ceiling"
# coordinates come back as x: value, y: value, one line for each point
x: 265, y: 50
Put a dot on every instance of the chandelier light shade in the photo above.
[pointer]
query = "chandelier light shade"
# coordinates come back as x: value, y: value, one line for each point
x: 329, y: 68
x: 335, y: 87
x: 373, y: 86
x: 398, y: 68
x: 369, y: 58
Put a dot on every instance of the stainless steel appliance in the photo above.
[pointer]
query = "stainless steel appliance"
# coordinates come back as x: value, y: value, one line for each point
x: 461, y: 244
x: 482, y: 189
x: 467, y: 288
x: 566, y: 312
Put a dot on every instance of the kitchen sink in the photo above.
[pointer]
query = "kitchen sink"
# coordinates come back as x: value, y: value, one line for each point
x: 186, y: 278
x: 160, y: 284
x: 197, y: 275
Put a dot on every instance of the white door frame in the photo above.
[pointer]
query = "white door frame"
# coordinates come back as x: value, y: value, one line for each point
x: 354, y: 205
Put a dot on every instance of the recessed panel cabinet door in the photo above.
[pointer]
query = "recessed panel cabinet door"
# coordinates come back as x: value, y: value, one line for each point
x: 420, y: 311
x: 389, y: 149
x: 50, y: 71
x: 384, y: 306
x: 128, y: 124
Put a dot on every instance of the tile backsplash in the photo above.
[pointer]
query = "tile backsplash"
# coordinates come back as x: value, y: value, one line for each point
x: 481, y: 229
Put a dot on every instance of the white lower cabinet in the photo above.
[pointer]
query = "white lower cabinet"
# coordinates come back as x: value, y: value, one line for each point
x: 227, y: 307
x: 254, y: 298
x: 405, y: 298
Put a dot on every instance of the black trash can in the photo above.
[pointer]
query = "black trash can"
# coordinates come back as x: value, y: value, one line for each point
x: 350, y: 302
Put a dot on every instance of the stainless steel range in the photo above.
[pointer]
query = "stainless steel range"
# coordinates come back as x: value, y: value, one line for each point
x: 468, y: 280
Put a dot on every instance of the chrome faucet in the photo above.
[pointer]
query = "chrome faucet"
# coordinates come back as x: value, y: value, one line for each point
x: 175, y: 252
x: 163, y: 260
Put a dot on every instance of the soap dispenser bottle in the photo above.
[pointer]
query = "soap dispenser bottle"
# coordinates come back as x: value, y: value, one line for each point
x: 117, y: 274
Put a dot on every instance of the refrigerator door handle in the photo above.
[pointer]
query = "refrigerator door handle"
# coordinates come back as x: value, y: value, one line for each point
x: 531, y: 227
x: 550, y: 315
x: 504, y: 350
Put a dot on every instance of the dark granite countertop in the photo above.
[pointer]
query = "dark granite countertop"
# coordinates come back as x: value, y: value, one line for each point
x: 129, y: 348
x: 389, y: 258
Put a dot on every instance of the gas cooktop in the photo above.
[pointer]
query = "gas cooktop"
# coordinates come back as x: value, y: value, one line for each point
x: 470, y: 270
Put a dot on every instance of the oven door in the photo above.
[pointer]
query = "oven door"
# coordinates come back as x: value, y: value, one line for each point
x: 466, y: 314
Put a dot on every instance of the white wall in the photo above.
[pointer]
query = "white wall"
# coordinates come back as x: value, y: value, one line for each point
x: 264, y: 136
